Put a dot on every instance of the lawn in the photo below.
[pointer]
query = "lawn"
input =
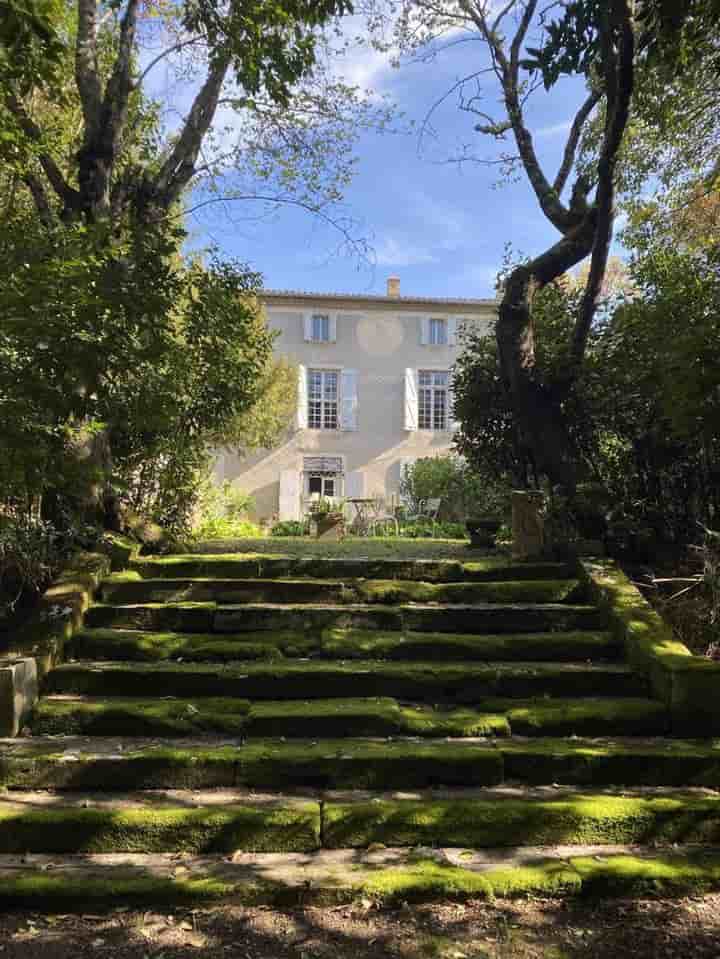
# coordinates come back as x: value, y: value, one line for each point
x: 354, y: 546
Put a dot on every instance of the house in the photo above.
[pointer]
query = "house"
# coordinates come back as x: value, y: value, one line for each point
x: 374, y: 394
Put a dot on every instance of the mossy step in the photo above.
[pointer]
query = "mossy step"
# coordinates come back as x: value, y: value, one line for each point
x: 385, y: 877
x: 146, y: 646
x: 461, y: 682
x: 73, y: 763
x: 508, y: 818
x: 336, y: 717
x: 458, y: 618
x: 243, y: 566
x: 50, y: 823
x: 574, y: 646
x: 120, y: 589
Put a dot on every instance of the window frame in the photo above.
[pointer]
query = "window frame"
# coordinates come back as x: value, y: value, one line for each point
x: 438, y: 323
x: 324, y: 401
x: 325, y: 325
x: 435, y: 390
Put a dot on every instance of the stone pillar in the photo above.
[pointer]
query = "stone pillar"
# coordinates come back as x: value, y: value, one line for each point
x: 18, y: 693
x: 528, y: 524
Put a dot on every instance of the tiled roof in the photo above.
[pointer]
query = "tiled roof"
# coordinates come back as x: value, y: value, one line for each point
x: 376, y: 297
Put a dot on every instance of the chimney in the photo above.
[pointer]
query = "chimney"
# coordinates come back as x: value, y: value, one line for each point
x: 393, y: 286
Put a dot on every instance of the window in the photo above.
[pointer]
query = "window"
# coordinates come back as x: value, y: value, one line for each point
x: 320, y: 327
x: 438, y: 334
x: 432, y: 400
x: 323, y: 477
x: 323, y: 399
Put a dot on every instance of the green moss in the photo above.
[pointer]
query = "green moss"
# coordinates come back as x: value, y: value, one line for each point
x: 140, y: 717
x: 523, y: 647
x: 139, y: 646
x: 516, y: 822
x: 415, y: 682
x: 586, y: 717
x: 523, y: 591
x: 288, y: 827
x: 46, y: 890
x: 193, y: 617
x: 669, y: 875
x: 380, y: 716
x: 594, y: 762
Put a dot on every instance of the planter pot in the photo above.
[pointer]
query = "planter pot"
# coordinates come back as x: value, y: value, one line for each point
x: 330, y: 526
x: 483, y: 530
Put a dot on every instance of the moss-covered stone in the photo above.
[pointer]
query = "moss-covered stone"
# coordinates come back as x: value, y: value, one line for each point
x: 139, y: 717
x: 687, y: 683
x: 672, y: 874
x: 415, y: 682
x: 585, y: 717
x: 380, y: 716
x: 175, y: 617
x: 507, y: 821
x: 597, y: 762
x: 289, y: 826
x: 142, y: 646
x: 446, y: 647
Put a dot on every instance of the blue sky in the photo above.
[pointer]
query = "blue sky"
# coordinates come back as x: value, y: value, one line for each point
x: 442, y: 228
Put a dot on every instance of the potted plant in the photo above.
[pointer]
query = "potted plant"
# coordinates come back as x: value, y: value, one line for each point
x: 329, y: 519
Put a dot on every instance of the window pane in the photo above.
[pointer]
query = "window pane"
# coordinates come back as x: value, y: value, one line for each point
x: 315, y: 484
x: 320, y: 327
x: 329, y: 486
x: 438, y: 332
x: 439, y: 409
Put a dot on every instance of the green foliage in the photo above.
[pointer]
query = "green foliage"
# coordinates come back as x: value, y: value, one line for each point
x: 221, y: 511
x: 30, y: 552
x: 464, y: 491
x: 426, y: 529
x: 289, y: 527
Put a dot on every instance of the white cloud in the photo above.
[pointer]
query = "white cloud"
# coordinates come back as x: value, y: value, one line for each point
x: 391, y: 252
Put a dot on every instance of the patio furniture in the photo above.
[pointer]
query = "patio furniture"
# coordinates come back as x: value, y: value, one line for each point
x: 428, y: 509
x: 363, y: 507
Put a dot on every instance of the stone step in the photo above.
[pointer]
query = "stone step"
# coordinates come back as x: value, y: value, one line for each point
x: 461, y: 682
x: 318, y: 718
x: 243, y: 566
x: 84, y: 763
x: 144, y: 646
x: 507, y: 816
x: 225, y: 821
x: 191, y: 822
x: 385, y: 877
x: 251, y: 617
x: 131, y: 588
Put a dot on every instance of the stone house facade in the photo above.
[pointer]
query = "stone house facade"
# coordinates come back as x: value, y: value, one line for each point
x: 374, y: 394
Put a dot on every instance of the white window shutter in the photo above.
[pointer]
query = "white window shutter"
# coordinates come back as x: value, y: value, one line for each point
x: 424, y: 330
x: 332, y: 328
x: 355, y: 485
x: 307, y: 327
x: 453, y: 421
x: 349, y: 399
x: 289, y: 499
x: 302, y: 399
x: 411, y: 399
x: 452, y: 329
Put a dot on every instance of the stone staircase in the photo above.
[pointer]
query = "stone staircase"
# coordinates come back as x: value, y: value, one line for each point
x: 279, y: 729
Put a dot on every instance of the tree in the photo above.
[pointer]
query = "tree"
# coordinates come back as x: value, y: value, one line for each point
x: 293, y: 122
x: 605, y: 42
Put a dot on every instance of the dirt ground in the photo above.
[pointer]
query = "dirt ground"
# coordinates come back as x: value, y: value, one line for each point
x: 536, y: 929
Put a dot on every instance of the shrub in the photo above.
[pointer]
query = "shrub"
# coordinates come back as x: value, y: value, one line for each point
x: 426, y: 529
x: 30, y: 553
x: 289, y: 527
x: 222, y: 512
x: 464, y: 492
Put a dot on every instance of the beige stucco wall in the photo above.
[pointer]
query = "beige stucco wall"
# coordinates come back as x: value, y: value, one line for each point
x: 379, y: 340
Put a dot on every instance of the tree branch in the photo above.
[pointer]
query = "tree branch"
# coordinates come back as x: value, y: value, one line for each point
x: 619, y: 68
x: 52, y: 171
x: 87, y: 77
x: 40, y: 199
x: 573, y: 139
x: 175, y: 48
x: 179, y: 167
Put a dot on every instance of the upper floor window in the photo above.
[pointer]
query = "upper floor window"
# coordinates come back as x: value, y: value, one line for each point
x: 323, y: 399
x: 438, y: 332
x: 320, y: 327
x: 432, y: 400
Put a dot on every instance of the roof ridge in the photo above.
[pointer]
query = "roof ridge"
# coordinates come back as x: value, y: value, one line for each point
x: 310, y: 294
